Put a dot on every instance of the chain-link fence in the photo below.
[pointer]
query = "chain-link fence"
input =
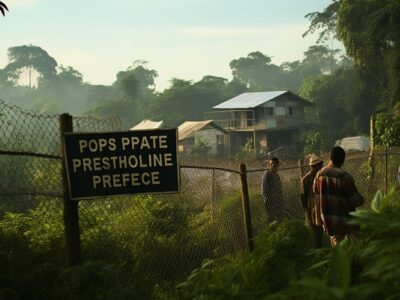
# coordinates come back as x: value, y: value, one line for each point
x: 168, y: 234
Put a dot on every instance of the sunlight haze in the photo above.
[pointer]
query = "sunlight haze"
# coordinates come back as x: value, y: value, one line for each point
x: 179, y: 39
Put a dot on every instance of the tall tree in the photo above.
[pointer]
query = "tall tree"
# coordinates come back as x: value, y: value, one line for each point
x: 191, y: 100
x: 135, y: 85
x: 29, y: 58
x: 370, y: 31
x: 257, y: 72
x: 319, y: 59
x: 325, y: 22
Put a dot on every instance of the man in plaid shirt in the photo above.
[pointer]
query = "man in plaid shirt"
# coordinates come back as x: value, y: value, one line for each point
x: 338, y: 196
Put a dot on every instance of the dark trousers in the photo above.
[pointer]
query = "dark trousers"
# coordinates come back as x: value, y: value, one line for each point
x: 274, y: 210
x: 317, y: 235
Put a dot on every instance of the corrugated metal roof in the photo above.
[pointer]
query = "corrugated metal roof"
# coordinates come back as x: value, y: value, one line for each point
x: 147, y: 124
x: 250, y: 100
x: 187, y: 128
x: 354, y: 143
x: 254, y: 99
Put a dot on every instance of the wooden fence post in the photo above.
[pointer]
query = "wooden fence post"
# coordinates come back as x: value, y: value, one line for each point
x: 71, y: 217
x: 371, y: 159
x: 246, y: 208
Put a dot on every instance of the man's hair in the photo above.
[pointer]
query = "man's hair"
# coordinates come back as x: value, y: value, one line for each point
x: 275, y: 160
x: 337, y: 156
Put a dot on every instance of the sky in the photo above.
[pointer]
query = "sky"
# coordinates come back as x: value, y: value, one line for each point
x: 184, y: 39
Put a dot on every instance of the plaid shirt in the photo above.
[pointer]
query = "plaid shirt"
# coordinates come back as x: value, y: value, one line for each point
x: 338, y: 196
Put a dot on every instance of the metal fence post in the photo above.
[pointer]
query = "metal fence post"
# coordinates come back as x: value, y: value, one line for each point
x: 246, y: 208
x: 71, y: 217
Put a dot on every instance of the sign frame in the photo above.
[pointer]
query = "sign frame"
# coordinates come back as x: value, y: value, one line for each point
x: 178, y: 190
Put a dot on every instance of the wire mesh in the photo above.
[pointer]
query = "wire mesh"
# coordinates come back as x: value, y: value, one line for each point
x: 166, y: 235
x: 261, y: 214
x: 24, y: 130
x: 28, y: 181
x: 169, y: 235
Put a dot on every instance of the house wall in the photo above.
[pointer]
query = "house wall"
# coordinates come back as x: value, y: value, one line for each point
x: 186, y: 144
x: 288, y: 141
x: 281, y: 117
x: 287, y: 113
x: 209, y: 134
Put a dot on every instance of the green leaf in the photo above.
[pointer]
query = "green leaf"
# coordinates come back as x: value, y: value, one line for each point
x: 376, y: 204
x: 340, y: 274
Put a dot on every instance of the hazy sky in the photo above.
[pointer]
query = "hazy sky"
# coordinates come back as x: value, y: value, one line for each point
x: 179, y: 38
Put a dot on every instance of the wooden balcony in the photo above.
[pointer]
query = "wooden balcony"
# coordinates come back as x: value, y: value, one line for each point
x: 244, y: 120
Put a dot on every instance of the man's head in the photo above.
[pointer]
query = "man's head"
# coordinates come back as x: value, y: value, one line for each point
x: 337, y: 156
x: 274, y: 163
x: 315, y: 162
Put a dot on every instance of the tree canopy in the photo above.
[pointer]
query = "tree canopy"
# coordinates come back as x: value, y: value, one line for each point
x: 30, y: 58
x: 346, y: 87
x: 370, y: 31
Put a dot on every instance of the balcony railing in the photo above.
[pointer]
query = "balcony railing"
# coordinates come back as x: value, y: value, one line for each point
x: 236, y: 120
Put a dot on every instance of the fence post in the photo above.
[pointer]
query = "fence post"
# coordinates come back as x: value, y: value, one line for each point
x: 246, y: 208
x: 71, y: 217
x: 213, y: 193
x: 371, y: 160
x: 386, y: 169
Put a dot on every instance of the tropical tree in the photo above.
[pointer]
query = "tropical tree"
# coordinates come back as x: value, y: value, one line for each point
x: 325, y: 22
x: 191, y: 100
x: 257, y: 72
x: 32, y: 60
x: 133, y: 90
x: 137, y: 81
x: 3, y: 8
x: 370, y: 31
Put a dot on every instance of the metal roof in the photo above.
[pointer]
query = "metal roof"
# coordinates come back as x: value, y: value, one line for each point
x: 254, y: 99
x: 187, y: 128
x: 147, y: 124
x: 354, y: 143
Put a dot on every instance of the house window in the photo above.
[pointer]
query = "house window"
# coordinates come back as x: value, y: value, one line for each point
x: 281, y: 111
x: 269, y: 111
x: 290, y: 111
x: 250, y: 120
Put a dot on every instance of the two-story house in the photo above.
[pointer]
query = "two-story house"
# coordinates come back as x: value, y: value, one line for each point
x: 266, y: 120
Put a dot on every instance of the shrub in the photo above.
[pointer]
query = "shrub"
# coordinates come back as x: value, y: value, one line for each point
x: 279, y: 257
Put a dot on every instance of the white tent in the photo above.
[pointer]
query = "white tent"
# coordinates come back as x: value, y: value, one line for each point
x: 147, y: 124
x: 355, y: 143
